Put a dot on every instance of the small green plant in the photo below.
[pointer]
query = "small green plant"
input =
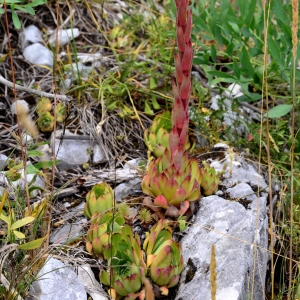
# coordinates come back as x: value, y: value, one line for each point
x: 21, y: 5
x: 46, y: 118
x: 46, y: 122
x: 145, y: 216
x: 210, y: 179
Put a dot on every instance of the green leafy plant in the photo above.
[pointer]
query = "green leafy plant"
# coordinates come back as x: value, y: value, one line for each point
x: 21, y: 5
x: 13, y: 225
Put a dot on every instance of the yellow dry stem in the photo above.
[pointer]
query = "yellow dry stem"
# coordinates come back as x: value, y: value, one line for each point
x: 213, y: 273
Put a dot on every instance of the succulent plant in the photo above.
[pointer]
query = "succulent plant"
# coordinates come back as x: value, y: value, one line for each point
x: 173, y: 183
x: 174, y: 179
x: 99, y: 199
x: 126, y: 268
x: 164, y: 258
x: 145, y: 216
x: 46, y: 122
x: 43, y: 105
x: 210, y: 179
x: 60, y: 113
x: 104, y: 234
x: 157, y: 136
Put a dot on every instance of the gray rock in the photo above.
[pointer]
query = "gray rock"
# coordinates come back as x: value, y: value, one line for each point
x: 31, y: 35
x: 239, y: 234
x: 241, y: 172
x: 64, y: 36
x: 241, y: 190
x: 38, y: 54
x: 71, y: 149
x: 91, y: 285
x: 128, y: 188
x: 132, y: 164
x: 57, y: 281
x: 66, y: 233
x: 233, y: 231
x: 98, y: 154
x: 3, y: 161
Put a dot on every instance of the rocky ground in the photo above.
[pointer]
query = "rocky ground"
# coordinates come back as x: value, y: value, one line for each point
x: 95, y: 144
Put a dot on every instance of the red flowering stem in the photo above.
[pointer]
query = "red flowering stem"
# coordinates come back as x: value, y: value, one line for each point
x: 182, y: 85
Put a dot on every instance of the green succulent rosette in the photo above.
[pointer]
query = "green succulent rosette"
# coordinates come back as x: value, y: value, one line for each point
x: 45, y: 122
x: 99, y: 199
x: 44, y: 105
x: 157, y: 136
x: 60, y: 112
x: 104, y: 234
x: 210, y: 179
x: 173, y: 185
x: 164, y: 258
x: 126, y: 268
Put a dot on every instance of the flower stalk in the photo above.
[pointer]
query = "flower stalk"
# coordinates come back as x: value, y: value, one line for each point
x: 174, y: 179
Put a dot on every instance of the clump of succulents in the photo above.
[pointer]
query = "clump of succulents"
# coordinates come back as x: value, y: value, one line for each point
x: 46, y: 119
x: 164, y: 258
x: 99, y: 199
x: 104, y: 234
x: 126, y: 268
x: 210, y: 179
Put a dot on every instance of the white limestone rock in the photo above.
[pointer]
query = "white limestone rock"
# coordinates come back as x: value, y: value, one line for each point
x: 31, y: 35
x: 232, y: 229
x: 128, y: 188
x: 63, y: 36
x: 38, y: 54
x: 239, y: 233
x: 91, y: 285
x: 57, y: 281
